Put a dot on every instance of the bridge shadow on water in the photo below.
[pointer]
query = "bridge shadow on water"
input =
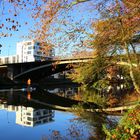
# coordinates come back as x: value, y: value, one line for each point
x: 56, y: 100
x: 40, y: 98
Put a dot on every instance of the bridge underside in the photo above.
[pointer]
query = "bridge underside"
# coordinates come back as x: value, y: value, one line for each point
x: 39, y: 70
x: 42, y: 73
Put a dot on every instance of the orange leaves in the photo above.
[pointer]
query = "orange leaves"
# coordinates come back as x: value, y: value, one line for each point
x: 46, y: 14
x: 14, y: 24
x: 10, y: 19
x: 115, y: 28
x: 118, y: 29
x: 46, y: 48
x: 14, y: 9
x: 132, y: 11
x: 14, y: 27
x: 131, y: 3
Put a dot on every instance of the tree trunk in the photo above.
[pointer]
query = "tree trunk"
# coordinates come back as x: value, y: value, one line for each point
x: 137, y: 88
x: 135, y: 54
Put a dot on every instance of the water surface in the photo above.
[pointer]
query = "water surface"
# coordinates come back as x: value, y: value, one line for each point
x: 25, y: 120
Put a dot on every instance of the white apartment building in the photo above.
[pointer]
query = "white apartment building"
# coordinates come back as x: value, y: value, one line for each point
x: 30, y: 51
x: 28, y: 116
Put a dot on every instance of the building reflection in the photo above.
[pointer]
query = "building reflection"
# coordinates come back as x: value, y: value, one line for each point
x: 68, y: 92
x: 28, y: 104
x: 28, y: 116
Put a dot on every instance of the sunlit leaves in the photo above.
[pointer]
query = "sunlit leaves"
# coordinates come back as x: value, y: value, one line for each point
x: 128, y: 127
x: 45, y: 16
x: 116, y: 30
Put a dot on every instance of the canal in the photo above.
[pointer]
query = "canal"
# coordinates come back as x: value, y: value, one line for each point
x: 23, y: 119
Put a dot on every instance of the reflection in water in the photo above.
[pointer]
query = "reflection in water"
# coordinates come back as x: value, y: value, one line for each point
x: 68, y: 92
x: 28, y: 95
x: 29, y: 113
x: 96, y: 121
x: 20, y: 108
x: 28, y: 116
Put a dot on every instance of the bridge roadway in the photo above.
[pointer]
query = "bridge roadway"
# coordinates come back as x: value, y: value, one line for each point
x: 38, y: 70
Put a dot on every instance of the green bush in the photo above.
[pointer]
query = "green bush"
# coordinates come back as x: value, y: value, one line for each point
x: 127, y: 129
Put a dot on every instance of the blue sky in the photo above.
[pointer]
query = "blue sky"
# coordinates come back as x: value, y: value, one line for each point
x: 9, y: 43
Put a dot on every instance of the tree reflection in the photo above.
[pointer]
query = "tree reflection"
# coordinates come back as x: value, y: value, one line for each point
x: 95, y: 122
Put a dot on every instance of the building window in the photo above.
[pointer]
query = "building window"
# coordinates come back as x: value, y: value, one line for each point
x: 6, y: 60
x: 38, y: 113
x: 37, y: 58
x: 28, y: 123
x: 29, y: 119
x: 34, y: 119
x: 44, y: 121
x: 39, y: 53
x: 14, y: 60
x: 38, y: 122
x: 28, y: 114
x: 29, y: 48
x: 38, y: 43
x: 29, y: 52
x: 29, y: 43
x: 45, y: 112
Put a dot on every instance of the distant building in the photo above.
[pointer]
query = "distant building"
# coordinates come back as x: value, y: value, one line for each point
x: 30, y: 51
x: 8, y: 59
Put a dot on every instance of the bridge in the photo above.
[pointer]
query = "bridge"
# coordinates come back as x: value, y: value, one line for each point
x: 38, y: 70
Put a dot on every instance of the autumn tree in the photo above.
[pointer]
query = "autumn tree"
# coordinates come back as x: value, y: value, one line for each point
x: 43, y: 13
x: 53, y: 23
x: 116, y: 31
x: 115, y: 37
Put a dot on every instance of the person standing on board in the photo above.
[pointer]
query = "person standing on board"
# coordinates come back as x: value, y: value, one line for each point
x: 29, y: 83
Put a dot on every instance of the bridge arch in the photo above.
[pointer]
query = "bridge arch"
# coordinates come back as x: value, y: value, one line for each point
x: 45, y: 70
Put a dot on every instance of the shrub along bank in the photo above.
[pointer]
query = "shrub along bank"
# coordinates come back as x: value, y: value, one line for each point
x: 127, y: 129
